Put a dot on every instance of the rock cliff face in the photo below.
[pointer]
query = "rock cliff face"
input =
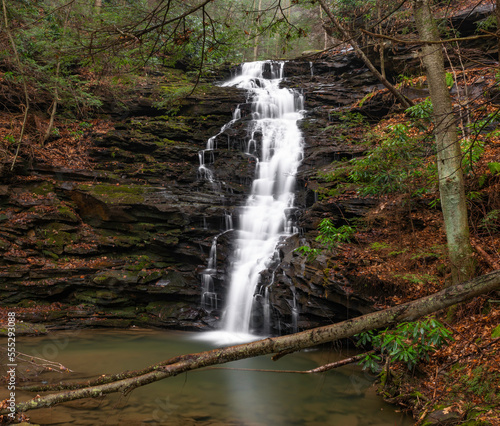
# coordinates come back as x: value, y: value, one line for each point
x: 125, y: 242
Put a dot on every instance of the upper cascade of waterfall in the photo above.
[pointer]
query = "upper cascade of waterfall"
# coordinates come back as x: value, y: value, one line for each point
x: 276, y: 141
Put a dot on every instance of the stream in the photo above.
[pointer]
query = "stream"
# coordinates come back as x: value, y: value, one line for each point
x: 344, y: 396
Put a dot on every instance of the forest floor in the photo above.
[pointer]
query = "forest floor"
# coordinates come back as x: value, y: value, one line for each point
x: 402, y: 244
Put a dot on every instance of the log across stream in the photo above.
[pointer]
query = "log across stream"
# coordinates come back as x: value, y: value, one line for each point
x: 219, y: 396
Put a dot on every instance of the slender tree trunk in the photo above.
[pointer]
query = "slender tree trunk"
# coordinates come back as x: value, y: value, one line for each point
x: 97, y: 7
x: 56, y: 82
x: 257, y: 38
x: 325, y: 34
x: 54, y: 105
x: 381, y: 42
x: 449, y: 155
x: 411, y: 311
x: 497, y: 13
x: 399, y: 96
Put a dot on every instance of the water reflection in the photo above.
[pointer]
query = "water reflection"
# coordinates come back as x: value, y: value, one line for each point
x: 210, y: 397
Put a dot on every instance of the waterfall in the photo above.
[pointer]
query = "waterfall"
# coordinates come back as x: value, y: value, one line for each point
x: 276, y: 141
x: 263, y: 220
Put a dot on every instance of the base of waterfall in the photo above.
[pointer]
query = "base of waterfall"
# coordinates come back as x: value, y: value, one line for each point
x: 225, y: 338
x: 209, y: 397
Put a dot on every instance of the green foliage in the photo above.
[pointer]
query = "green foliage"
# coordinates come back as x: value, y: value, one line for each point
x: 472, y: 150
x: 482, y: 124
x: 437, y: 252
x: 392, y: 165
x: 379, y: 246
x: 494, y: 167
x: 329, y: 237
x: 491, y: 221
x: 495, y: 334
x: 409, y: 343
x: 338, y: 173
x: 171, y: 99
x: 417, y: 278
x: 348, y: 118
x: 397, y: 252
x: 10, y: 139
x: 450, y: 81
x: 423, y: 110
x: 436, y: 203
x: 487, y: 24
x: 311, y: 253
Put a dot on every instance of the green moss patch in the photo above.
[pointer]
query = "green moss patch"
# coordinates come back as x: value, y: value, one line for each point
x: 118, y: 194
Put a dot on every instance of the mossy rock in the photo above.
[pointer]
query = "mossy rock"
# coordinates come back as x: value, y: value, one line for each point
x: 444, y: 416
x: 110, y: 322
x: 100, y: 297
x: 26, y: 328
x: 130, y: 312
x: 169, y: 239
x: 55, y: 241
x: 172, y: 283
x: 29, y: 303
x: 58, y: 226
x: 165, y: 310
x: 141, y: 262
x: 116, y: 278
x: 43, y: 188
x: 67, y: 213
x: 147, y: 277
x: 118, y: 194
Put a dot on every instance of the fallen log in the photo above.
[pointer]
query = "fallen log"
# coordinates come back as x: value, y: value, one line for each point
x: 290, y: 343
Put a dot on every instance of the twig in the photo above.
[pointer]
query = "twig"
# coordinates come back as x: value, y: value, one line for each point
x: 487, y: 258
x: 320, y: 369
x: 39, y: 362
x: 418, y: 41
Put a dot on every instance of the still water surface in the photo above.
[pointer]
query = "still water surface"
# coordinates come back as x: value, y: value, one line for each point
x: 342, y: 397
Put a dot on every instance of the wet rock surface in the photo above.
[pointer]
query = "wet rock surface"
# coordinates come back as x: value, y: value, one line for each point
x: 125, y: 243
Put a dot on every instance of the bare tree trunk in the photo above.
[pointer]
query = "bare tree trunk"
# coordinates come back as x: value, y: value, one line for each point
x: 97, y: 7
x: 325, y: 34
x: 497, y: 13
x: 399, y: 96
x: 257, y: 38
x: 56, y: 83
x: 449, y: 155
x: 284, y: 344
x: 381, y: 42
x: 54, y: 105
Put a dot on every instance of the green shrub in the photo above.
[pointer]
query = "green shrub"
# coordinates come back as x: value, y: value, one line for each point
x: 409, y: 342
x: 393, y: 165
x: 329, y: 237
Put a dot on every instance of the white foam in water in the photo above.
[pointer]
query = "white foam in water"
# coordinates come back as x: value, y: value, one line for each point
x: 262, y: 222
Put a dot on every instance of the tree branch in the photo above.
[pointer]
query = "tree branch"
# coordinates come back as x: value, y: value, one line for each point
x: 398, y: 95
x: 418, y: 41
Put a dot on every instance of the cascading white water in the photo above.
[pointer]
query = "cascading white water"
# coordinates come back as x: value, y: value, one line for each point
x: 263, y: 221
